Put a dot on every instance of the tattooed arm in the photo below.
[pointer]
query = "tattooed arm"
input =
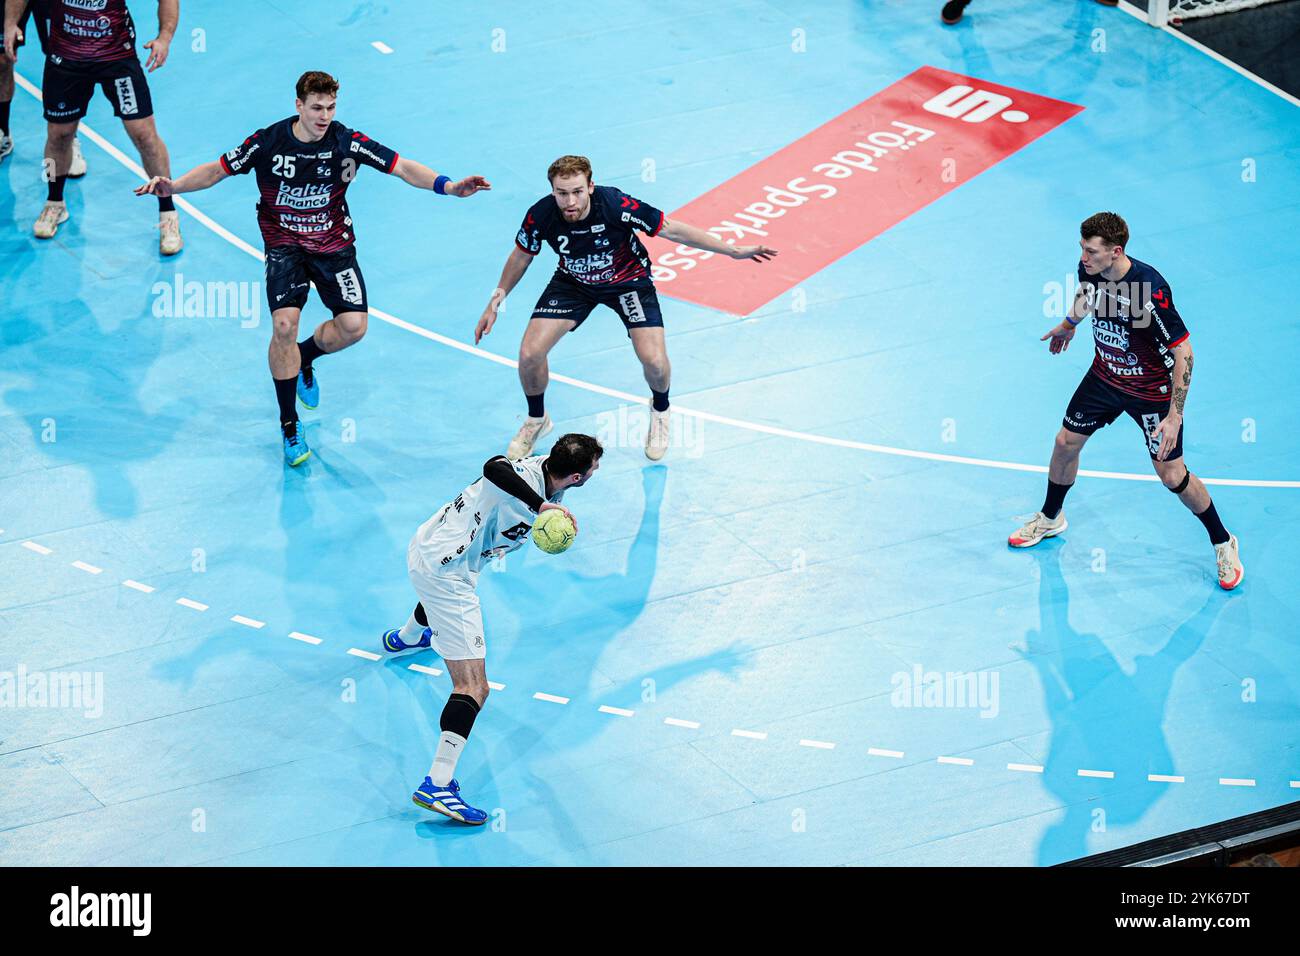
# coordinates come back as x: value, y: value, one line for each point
x: 1182, y: 381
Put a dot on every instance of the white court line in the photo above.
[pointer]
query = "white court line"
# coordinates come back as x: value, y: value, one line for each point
x: 88, y: 568
x: 393, y: 320
x: 137, y: 586
x: 248, y: 622
x: 751, y: 734
x: 381, y: 46
x: 194, y: 605
x: 1025, y: 767
x: 305, y: 638
x: 1142, y: 15
x: 493, y: 685
x: 959, y: 761
x: 817, y: 744
x: 616, y: 711
x: 550, y: 697
x: 1166, y: 778
x: 365, y: 655
x: 421, y: 669
x: 1103, y: 774
x: 678, y: 722
x: 877, y: 752
x: 38, y: 548
x: 1236, y: 782
x: 1295, y: 784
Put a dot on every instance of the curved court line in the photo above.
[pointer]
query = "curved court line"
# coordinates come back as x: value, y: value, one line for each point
x: 393, y: 320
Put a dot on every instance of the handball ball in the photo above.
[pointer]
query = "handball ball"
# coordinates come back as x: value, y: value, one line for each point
x: 553, y: 532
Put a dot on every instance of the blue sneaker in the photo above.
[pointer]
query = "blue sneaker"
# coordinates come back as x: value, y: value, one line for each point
x: 295, y: 448
x: 447, y: 801
x: 308, y: 388
x: 395, y: 645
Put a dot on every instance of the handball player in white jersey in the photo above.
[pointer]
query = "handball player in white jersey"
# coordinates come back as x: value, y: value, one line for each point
x: 490, y: 518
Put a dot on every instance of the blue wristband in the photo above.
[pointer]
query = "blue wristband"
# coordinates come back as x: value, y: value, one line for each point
x: 1073, y: 325
x: 440, y: 183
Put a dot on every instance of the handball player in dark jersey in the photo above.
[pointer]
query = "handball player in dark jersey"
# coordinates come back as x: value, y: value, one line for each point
x: 602, y: 262
x: 1142, y: 368
x: 27, y: 10
x: 91, y: 43
x: 304, y: 165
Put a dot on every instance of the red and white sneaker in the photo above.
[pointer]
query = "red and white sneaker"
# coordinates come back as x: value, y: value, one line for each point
x: 1037, y: 528
x: 1229, y: 560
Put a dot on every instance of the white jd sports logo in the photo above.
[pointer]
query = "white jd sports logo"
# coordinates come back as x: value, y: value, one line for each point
x: 973, y: 106
x: 349, y: 287
x: 126, y: 94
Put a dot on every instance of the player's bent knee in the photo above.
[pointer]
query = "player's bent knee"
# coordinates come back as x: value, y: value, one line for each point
x: 1069, y: 442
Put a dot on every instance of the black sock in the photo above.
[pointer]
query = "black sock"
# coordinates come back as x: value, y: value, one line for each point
x: 458, y: 714
x: 56, y: 188
x: 165, y: 204
x: 309, y: 351
x: 4, y: 117
x: 286, y: 393
x: 1210, y: 518
x: 1055, y: 498
x: 660, y: 402
x: 420, y: 617
x: 536, y: 407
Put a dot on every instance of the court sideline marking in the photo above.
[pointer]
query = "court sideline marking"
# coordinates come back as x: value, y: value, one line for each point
x: 393, y: 320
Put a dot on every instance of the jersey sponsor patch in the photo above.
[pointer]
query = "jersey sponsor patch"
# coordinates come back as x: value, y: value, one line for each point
x: 350, y: 290
x: 630, y: 303
x: 848, y: 181
x: 126, y: 100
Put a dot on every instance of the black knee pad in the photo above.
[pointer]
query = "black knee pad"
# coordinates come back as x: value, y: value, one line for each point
x: 1182, y: 485
x: 459, y: 713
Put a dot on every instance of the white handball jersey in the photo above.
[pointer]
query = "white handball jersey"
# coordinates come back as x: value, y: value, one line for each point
x: 480, y: 524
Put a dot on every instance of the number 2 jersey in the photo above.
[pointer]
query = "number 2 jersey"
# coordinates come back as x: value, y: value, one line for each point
x: 303, y: 185
x: 1135, y: 328
x: 600, y: 250
x: 483, y: 522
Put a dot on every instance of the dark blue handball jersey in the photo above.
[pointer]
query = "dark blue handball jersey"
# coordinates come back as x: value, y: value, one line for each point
x: 302, y: 186
x: 601, y: 250
x: 1135, y: 327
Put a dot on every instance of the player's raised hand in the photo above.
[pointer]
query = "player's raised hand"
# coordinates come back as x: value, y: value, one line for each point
x: 467, y: 186
x: 158, y: 49
x: 12, y: 36
x: 552, y: 506
x: 757, y: 253
x: 158, y: 186
x: 1060, y: 337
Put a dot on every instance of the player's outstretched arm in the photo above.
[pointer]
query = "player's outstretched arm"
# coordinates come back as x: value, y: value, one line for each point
x: 514, y: 270
x: 169, y: 13
x: 422, y: 177
x: 1062, y: 334
x: 200, y: 177
x: 697, y: 238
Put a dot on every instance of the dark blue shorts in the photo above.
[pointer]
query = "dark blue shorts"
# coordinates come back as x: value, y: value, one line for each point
x: 637, y: 304
x: 1095, y: 404
x: 290, y: 271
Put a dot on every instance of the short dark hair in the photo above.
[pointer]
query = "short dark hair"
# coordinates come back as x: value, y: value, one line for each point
x: 1110, y: 226
x: 569, y: 166
x: 314, y: 81
x: 573, y: 454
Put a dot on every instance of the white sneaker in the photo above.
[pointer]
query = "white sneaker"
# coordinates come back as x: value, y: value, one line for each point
x: 169, y: 233
x: 1229, y: 560
x: 1036, y: 529
x: 656, y: 437
x: 521, y: 446
x: 47, y: 223
x: 77, y: 168
x: 6, y: 145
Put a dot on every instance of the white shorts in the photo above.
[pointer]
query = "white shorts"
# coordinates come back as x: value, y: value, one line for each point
x: 452, y: 607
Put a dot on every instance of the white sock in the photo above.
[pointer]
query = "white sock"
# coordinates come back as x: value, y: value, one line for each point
x: 444, y: 762
x: 411, y: 631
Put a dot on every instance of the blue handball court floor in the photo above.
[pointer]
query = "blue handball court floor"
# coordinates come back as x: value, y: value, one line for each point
x: 801, y: 638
